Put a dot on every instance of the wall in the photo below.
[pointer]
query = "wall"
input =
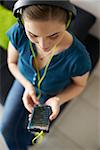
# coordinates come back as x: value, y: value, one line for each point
x: 92, y: 6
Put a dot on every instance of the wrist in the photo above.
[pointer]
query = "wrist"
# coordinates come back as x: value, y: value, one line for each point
x: 28, y: 85
x: 57, y: 100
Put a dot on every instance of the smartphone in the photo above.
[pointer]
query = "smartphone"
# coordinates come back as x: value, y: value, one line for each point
x: 40, y: 118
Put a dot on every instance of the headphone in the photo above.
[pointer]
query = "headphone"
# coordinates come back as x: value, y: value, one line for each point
x: 66, y: 5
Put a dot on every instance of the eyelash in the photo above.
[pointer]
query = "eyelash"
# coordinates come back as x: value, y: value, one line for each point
x: 51, y: 37
x: 54, y: 36
x: 33, y: 36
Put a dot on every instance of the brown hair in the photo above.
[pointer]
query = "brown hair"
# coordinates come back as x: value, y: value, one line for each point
x: 45, y: 13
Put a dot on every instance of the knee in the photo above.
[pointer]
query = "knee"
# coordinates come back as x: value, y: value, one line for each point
x: 6, y: 131
x: 8, y: 135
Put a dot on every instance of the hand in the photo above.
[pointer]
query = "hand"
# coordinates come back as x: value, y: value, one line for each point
x: 29, y: 97
x: 54, y: 103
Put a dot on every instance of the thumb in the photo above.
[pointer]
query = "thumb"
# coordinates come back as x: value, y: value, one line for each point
x: 34, y: 98
x: 53, y: 115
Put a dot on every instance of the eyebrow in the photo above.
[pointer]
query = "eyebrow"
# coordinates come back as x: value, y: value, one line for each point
x: 47, y: 36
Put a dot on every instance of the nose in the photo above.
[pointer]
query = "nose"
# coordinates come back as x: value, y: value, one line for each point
x: 42, y: 43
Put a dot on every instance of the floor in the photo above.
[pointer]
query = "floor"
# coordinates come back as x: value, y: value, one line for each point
x: 78, y: 127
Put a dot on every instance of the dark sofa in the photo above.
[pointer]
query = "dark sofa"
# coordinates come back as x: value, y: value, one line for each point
x: 80, y: 27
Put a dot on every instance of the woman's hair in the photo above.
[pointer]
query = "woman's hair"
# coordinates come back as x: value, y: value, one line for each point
x: 45, y: 13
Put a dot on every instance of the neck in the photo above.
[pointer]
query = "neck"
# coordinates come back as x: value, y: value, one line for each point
x: 43, y: 54
x: 64, y: 43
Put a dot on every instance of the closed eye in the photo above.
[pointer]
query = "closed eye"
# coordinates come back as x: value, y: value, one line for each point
x: 53, y: 35
x: 32, y: 35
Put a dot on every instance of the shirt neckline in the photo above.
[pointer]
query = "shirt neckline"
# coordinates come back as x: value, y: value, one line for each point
x: 62, y: 53
x: 67, y: 50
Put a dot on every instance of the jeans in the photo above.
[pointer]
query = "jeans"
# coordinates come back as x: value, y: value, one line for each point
x: 15, y: 119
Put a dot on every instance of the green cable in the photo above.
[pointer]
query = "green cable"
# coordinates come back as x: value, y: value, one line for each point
x: 36, y: 66
x: 33, y: 53
x: 40, y: 79
x: 46, y: 68
x: 45, y: 71
x: 69, y: 20
x: 39, y: 136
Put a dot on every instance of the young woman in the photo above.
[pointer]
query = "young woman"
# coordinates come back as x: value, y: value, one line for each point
x: 42, y: 42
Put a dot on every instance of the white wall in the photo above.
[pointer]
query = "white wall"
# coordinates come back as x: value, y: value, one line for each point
x: 92, y: 6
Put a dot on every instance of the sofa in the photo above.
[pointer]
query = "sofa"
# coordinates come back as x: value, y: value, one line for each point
x: 80, y: 27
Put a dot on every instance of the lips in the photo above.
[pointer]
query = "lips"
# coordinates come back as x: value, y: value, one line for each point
x: 45, y: 49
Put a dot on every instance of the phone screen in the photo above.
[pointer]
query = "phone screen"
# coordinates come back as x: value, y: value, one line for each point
x: 40, y: 118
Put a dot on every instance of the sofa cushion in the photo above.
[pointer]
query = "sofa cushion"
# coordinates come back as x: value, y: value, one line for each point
x: 8, y: 4
x: 82, y: 23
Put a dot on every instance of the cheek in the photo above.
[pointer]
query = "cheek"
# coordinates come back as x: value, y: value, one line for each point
x: 51, y: 43
x: 59, y: 39
x: 56, y: 41
x: 28, y: 36
x: 31, y: 39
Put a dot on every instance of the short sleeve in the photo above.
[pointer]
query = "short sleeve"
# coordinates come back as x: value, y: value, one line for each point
x: 14, y: 34
x: 81, y: 65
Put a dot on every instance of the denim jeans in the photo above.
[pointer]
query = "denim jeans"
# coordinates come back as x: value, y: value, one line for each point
x: 15, y: 119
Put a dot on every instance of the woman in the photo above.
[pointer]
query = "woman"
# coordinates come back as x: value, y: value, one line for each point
x: 42, y: 42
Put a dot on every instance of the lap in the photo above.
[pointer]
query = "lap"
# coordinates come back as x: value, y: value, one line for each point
x: 15, y: 117
x: 14, y: 104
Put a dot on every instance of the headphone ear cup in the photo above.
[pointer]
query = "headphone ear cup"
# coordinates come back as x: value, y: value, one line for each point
x: 20, y: 21
x: 19, y: 17
x: 69, y: 19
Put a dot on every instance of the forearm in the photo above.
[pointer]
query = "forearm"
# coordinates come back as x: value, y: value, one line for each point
x: 77, y: 86
x: 16, y: 73
x: 69, y: 93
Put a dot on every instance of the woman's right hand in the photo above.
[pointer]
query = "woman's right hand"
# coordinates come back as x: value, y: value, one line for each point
x: 29, y: 97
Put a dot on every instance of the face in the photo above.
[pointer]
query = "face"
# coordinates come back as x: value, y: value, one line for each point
x: 44, y: 34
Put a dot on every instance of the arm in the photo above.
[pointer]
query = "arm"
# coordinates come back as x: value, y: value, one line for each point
x: 79, y: 84
x: 29, y: 96
x: 12, y: 65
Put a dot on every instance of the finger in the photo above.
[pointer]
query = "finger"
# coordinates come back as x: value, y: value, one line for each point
x: 30, y: 117
x: 28, y: 106
x: 53, y: 116
x: 34, y: 98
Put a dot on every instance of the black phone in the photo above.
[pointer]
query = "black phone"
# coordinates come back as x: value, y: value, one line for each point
x: 40, y: 118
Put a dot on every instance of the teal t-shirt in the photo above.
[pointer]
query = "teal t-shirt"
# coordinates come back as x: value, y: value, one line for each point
x: 71, y: 62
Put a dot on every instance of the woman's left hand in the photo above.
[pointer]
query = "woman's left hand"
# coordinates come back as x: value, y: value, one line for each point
x: 55, y: 106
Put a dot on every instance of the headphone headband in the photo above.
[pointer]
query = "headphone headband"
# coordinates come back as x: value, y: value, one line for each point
x: 25, y: 3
